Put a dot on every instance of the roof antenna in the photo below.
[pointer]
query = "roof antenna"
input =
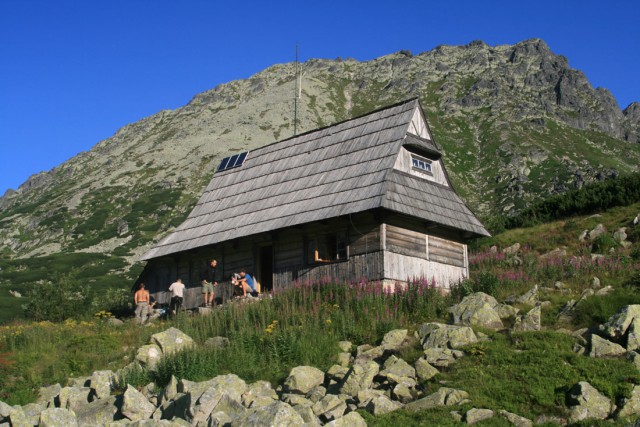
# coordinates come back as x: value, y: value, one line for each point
x: 296, y: 96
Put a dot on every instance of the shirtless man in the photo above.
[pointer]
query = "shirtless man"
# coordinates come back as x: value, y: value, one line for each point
x: 141, y: 298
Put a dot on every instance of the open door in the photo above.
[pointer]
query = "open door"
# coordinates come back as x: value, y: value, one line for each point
x: 266, y: 268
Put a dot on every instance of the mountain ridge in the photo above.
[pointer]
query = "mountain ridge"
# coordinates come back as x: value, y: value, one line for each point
x: 515, y: 122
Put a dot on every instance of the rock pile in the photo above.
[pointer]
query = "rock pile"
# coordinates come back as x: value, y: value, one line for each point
x: 371, y: 378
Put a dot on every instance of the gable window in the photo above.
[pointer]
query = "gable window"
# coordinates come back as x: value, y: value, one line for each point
x: 421, y: 164
x: 327, y: 248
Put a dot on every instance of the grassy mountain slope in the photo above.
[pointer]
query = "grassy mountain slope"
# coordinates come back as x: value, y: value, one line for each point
x: 515, y: 123
x: 526, y: 373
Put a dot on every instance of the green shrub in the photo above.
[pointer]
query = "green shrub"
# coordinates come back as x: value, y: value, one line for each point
x: 603, y: 243
x: 55, y: 302
x: 594, y: 311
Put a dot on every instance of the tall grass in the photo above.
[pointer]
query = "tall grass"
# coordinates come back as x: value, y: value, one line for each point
x: 299, y: 326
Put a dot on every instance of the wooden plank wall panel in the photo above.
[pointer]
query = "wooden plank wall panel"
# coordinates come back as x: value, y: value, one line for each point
x: 446, y: 251
x: 406, y: 242
x: 368, y: 266
x: 288, y: 250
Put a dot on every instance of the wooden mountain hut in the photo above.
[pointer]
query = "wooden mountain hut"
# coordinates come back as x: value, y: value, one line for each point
x: 365, y: 199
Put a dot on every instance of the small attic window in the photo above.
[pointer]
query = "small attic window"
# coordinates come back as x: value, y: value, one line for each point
x: 232, y: 161
x: 421, y: 164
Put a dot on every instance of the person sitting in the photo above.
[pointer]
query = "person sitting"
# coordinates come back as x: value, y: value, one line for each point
x: 247, y: 283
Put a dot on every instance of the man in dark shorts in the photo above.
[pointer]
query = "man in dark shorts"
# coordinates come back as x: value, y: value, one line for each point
x: 208, y: 282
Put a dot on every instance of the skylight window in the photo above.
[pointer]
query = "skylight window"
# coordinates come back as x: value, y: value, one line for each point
x: 232, y: 161
x: 421, y: 164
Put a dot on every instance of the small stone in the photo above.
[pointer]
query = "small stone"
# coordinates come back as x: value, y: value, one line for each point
x: 57, y: 417
x: 393, y: 339
x: 476, y: 415
x: 515, y: 419
x: 345, y: 346
x: 595, y: 282
x: 601, y: 347
x: 135, y: 406
x: 344, y: 359
x: 424, y: 370
x: 217, y: 342
x: 302, y: 379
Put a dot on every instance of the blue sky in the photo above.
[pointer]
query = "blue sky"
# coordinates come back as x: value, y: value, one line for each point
x: 73, y: 72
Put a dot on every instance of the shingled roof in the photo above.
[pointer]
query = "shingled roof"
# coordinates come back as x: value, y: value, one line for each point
x: 338, y: 170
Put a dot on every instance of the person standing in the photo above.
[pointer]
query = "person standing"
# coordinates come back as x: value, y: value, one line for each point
x: 141, y: 298
x: 177, y: 295
x: 208, y: 282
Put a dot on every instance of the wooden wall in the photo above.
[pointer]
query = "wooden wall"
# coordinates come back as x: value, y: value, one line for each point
x: 380, y: 246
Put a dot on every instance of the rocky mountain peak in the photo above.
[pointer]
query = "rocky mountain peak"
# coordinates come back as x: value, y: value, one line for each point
x: 515, y: 122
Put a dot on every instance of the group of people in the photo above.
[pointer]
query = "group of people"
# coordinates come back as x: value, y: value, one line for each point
x: 243, y: 284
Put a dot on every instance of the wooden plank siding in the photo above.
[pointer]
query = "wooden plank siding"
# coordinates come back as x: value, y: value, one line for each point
x: 406, y: 242
x: 446, y: 251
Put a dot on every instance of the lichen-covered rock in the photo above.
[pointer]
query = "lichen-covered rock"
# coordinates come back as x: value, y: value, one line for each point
x: 48, y: 395
x: 443, y: 397
x: 634, y: 357
x: 4, y: 410
x: 630, y: 406
x: 98, y: 413
x: 345, y: 346
x: 17, y: 418
x: 74, y: 397
x: 529, y: 298
x: 475, y: 415
x: 441, y: 357
x: 587, y: 402
x: 424, y: 370
x: 597, y: 231
x: 32, y: 412
x: 135, y: 406
x: 531, y: 321
x: 329, y: 408
x: 58, y: 417
x: 316, y: 394
x: 337, y: 372
x: 217, y: 342
x: 477, y: 309
x: 393, y: 339
x: 258, y: 389
x: 149, y: 355
x: 360, y: 377
x: 310, y: 419
x: 395, y: 369
x: 380, y: 405
x: 278, y: 414
x: 506, y: 311
x: 601, y: 347
x: 221, y: 389
x: 369, y: 354
x: 352, y: 419
x: 404, y: 392
x: 172, y: 340
x: 617, y: 325
x: 633, y: 335
x: 446, y: 336
x: 302, y: 379
x: 101, y: 382
x: 515, y: 419
x: 344, y: 359
x: 170, y: 391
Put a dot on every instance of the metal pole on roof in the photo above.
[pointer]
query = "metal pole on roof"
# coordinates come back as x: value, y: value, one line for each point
x: 295, y: 98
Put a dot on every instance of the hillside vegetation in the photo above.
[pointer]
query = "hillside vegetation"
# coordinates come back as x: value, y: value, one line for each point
x: 515, y: 123
x: 527, y: 373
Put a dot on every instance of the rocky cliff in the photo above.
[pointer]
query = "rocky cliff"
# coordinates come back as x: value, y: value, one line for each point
x: 515, y: 123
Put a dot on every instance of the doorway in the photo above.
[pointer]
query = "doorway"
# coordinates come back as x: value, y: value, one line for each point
x: 266, y: 268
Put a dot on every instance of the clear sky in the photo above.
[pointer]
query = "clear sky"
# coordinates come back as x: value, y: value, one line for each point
x: 73, y: 72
